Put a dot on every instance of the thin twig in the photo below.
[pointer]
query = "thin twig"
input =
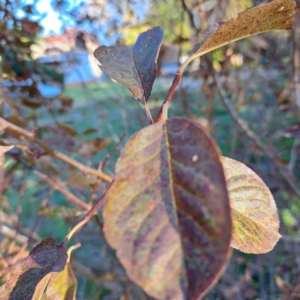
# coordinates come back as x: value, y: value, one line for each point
x: 294, y: 154
x: 68, y: 194
x: 166, y: 104
x: 296, y: 58
x: 190, y: 15
x: 103, y: 164
x: 286, y: 176
x: 66, y: 159
x: 18, y: 256
x: 89, y: 214
x: 20, y: 208
x: 148, y: 113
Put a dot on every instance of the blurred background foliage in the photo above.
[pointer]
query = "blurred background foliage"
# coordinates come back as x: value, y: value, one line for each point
x: 51, y: 86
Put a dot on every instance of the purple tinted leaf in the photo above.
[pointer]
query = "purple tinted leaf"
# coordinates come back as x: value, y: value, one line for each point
x: 46, y: 257
x: 167, y: 213
x: 133, y: 67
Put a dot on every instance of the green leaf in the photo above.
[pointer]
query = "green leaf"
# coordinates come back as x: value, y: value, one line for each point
x: 46, y: 257
x: 278, y: 14
x: 133, y: 67
x: 253, y: 209
x: 167, y: 212
x: 62, y: 285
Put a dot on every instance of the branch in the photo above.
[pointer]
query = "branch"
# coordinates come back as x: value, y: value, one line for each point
x: 89, y: 214
x: 103, y: 164
x: 296, y: 59
x: 286, y: 176
x: 190, y: 15
x: 166, y: 104
x: 68, y: 194
x: 65, y: 158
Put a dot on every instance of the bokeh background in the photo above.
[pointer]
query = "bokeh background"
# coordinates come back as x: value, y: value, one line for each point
x: 51, y: 85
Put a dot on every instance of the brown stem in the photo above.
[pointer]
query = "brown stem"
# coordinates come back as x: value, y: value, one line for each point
x: 89, y: 214
x: 66, y: 159
x: 68, y: 194
x: 296, y: 59
x: 148, y: 112
x: 166, y: 103
x: 18, y: 256
x: 103, y: 164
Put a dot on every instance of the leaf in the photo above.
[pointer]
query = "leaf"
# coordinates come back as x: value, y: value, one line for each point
x: 68, y: 130
x: 133, y: 67
x: 253, y: 209
x: 31, y: 103
x: 60, y: 212
x: 91, y: 148
x: 167, y: 212
x: 46, y: 257
x: 3, y: 149
x: 3, y: 125
x: 62, y: 285
x: 278, y: 14
x: 40, y: 288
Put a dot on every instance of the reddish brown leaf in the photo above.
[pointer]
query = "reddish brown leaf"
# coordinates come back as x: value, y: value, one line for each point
x: 134, y: 67
x: 253, y: 209
x: 168, y: 213
x: 278, y: 14
x: 46, y: 257
x: 30, y: 26
x: 89, y: 149
x: 68, y: 130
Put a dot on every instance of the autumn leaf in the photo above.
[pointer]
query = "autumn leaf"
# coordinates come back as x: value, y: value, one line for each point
x: 60, y: 212
x: 46, y: 257
x: 62, y: 285
x: 133, y: 67
x: 275, y: 15
x: 253, y: 209
x: 30, y: 26
x: 167, y: 213
x: 3, y: 149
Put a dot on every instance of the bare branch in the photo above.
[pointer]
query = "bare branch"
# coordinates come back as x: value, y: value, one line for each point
x: 68, y: 194
x: 65, y: 158
x: 286, y: 176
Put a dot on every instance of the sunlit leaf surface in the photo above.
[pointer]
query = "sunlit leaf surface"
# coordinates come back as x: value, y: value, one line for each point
x: 46, y: 257
x: 134, y: 67
x: 254, y: 213
x: 168, y: 213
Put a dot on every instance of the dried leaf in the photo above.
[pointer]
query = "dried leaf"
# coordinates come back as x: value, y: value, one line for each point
x: 80, y: 181
x: 30, y: 26
x: 68, y: 130
x: 133, y: 67
x: 3, y: 125
x: 278, y: 14
x: 4, y: 149
x: 167, y: 212
x: 40, y: 288
x: 31, y: 103
x: 46, y: 257
x: 62, y: 285
x: 254, y: 213
x: 91, y: 148
x: 60, y: 212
